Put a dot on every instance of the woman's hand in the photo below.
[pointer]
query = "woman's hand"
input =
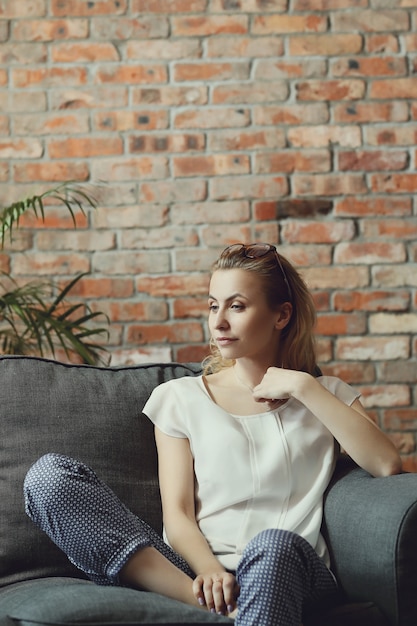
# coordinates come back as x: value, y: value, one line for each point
x: 217, y: 591
x: 279, y: 384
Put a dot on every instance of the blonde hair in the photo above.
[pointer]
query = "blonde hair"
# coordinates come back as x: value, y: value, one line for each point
x: 281, y: 283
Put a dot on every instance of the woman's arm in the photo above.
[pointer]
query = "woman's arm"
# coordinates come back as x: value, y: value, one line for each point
x: 213, y: 585
x: 358, y: 435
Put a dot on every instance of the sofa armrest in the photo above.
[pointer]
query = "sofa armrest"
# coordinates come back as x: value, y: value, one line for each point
x: 371, y: 529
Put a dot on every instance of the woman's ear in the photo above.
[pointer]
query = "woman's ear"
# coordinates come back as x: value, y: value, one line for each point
x: 284, y: 316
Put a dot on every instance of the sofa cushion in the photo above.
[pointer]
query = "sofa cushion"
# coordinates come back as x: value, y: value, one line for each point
x: 91, y: 413
x: 57, y: 601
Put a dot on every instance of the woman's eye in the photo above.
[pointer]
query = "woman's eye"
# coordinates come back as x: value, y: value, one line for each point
x: 213, y: 307
x: 237, y: 307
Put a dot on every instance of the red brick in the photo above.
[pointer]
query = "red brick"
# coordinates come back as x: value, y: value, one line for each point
x: 371, y: 21
x: 163, y: 49
x: 128, y: 28
x: 215, y: 165
x: 400, y: 323
x: 134, y: 168
x: 351, y: 373
x: 373, y: 160
x: 166, y: 237
x: 144, y: 216
x: 247, y: 139
x: 361, y: 207
x: 49, y: 264
x: 322, y: 136
x: 170, y: 95
x: 143, y: 311
x: 49, y: 30
x: 181, y: 332
x: 120, y: 121
x: 371, y: 112
x: 348, y: 89
x: 400, y: 419
x: 394, y: 183
x: 394, y: 229
x: 282, y: 24
x: 168, y: 6
x: 11, y: 9
x: 291, y: 114
x: 244, y: 47
x: 317, y: 232
x: 51, y: 123
x: 369, y: 67
x: 96, y: 287
x: 372, y: 348
x: 22, y: 53
x: 336, y: 277
x: 85, y: 147
x: 249, y: 93
x: 394, y: 276
x: 173, y: 191
x: 399, y: 135
x: 207, y: 25
x: 75, y: 240
x: 167, y: 143
x: 371, y: 300
x: 385, y: 395
x: 272, y: 70
x: 190, y: 307
x: 125, y: 262
x: 191, y: 354
x: 383, y: 43
x: 341, y: 324
x: 294, y: 207
x: 370, y: 252
x: 203, y: 72
x: 132, y: 74
x: 4, y: 263
x: 326, y: 45
x: 54, y: 219
x: 21, y: 149
x: 51, y: 171
x: 326, y: 5
x: 173, y: 285
x: 394, y: 88
x: 248, y: 187
x: 329, y: 185
x: 83, y: 52
x: 211, y: 118
x: 209, y: 213
x: 68, y: 8
x: 49, y: 77
x: 89, y: 97
x: 292, y: 161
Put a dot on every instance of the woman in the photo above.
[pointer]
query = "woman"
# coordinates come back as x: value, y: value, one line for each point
x: 253, y: 445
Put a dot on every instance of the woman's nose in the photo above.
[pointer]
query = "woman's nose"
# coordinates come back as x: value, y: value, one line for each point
x: 221, y: 320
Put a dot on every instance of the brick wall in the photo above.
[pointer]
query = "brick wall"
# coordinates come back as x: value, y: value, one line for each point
x: 215, y: 121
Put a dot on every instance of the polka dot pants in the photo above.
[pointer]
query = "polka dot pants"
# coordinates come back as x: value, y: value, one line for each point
x: 279, y: 572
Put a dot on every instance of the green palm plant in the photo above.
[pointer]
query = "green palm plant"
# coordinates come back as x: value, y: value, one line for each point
x: 36, y: 318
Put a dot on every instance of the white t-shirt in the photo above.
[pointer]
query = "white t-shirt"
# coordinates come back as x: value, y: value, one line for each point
x: 253, y: 472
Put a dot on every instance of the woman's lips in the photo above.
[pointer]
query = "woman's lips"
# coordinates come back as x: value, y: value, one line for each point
x: 225, y: 341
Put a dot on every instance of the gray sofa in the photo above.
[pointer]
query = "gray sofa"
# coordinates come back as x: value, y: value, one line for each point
x: 95, y: 414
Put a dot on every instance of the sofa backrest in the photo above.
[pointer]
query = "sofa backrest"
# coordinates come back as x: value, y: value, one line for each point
x: 91, y: 413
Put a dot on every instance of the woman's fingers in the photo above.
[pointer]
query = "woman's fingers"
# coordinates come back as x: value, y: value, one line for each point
x: 218, y: 592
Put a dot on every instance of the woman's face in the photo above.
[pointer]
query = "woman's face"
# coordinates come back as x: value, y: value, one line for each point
x: 240, y: 320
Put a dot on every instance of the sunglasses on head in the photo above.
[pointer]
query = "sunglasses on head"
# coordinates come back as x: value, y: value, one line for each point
x: 256, y: 251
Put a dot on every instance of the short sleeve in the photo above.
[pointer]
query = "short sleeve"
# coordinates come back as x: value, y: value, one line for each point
x: 340, y: 389
x: 166, y: 409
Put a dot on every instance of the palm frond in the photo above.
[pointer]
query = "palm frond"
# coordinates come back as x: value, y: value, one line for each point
x: 70, y: 194
x: 29, y: 322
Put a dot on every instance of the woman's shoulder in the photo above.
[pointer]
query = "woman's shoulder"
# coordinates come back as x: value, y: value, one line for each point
x: 339, y: 388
